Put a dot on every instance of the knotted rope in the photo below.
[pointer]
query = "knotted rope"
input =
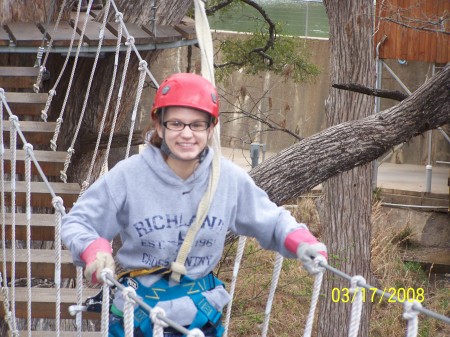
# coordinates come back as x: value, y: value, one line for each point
x: 70, y: 151
x: 128, y: 311
x: 357, y: 303
x: 42, y: 68
x: 410, y: 314
x: 28, y: 150
x: 14, y: 125
x: 129, y: 43
x: 158, y: 324
x: 87, y: 182
x: 318, y: 278
x: 52, y: 92
x: 142, y: 69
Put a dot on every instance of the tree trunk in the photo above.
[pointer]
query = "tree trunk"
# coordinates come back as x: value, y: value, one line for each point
x: 346, y: 208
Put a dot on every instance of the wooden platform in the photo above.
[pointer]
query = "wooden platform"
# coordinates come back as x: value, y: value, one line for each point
x: 31, y: 35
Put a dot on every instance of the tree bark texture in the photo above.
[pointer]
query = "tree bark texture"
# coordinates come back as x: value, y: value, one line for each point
x: 346, y: 208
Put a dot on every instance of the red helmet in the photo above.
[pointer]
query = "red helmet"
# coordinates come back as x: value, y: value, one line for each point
x: 188, y: 90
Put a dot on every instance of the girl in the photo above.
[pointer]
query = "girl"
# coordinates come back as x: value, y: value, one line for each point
x: 151, y: 200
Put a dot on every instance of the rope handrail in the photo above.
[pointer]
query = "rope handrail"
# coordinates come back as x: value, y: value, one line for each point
x: 385, y: 294
x: 136, y: 51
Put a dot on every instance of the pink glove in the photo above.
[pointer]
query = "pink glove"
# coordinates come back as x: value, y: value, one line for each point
x: 306, y: 246
x: 97, y: 256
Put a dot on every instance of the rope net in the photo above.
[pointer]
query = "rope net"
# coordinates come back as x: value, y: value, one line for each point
x: 157, y: 315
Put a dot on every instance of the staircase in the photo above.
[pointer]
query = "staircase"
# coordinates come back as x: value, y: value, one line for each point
x: 17, y: 83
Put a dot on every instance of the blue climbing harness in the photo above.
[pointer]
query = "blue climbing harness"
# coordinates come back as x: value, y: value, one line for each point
x: 207, y: 315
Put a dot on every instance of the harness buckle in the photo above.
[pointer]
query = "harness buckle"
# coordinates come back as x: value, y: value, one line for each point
x: 214, y: 316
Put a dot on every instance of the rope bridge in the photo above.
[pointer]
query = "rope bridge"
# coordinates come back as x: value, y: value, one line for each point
x: 157, y: 315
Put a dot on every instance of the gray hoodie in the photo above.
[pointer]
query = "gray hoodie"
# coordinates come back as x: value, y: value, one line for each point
x: 151, y: 208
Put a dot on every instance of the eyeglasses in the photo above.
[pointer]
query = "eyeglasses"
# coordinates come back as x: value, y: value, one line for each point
x: 194, y: 126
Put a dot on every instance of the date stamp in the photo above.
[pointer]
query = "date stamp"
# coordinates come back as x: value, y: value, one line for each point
x: 391, y: 295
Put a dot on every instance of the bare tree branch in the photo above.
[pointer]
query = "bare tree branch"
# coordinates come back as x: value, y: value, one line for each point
x: 391, y: 94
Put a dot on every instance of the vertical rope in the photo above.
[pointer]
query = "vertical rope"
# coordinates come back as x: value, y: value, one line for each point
x: 158, y: 324
x: 87, y: 182
x: 128, y: 311
x: 55, y: 202
x: 28, y: 150
x: 49, y: 46
x: 79, y: 285
x: 273, y: 287
x: 72, y: 75
x: 318, y: 278
x: 142, y: 68
x: 80, y: 43
x: 410, y: 314
x: 70, y: 151
x: 236, y: 267
x: 4, y: 282
x: 2, y: 171
x: 129, y: 43
x: 357, y: 304
x: 13, y: 145
x: 105, y: 301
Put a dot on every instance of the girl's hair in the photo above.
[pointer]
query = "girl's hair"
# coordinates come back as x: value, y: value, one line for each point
x: 150, y: 135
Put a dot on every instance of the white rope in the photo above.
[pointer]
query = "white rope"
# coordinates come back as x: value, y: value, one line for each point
x: 129, y: 43
x: 236, y: 267
x: 158, y: 324
x: 105, y: 301
x: 71, y: 150
x: 87, y: 182
x: 128, y: 311
x: 55, y: 202
x: 318, y: 278
x: 13, y: 146
x: 37, y: 85
x: 52, y: 92
x: 28, y: 149
x: 195, y: 333
x: 136, y: 51
x: 357, y: 304
x: 79, y: 286
x: 142, y: 68
x: 410, y: 314
x: 273, y: 287
x: 3, y: 280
